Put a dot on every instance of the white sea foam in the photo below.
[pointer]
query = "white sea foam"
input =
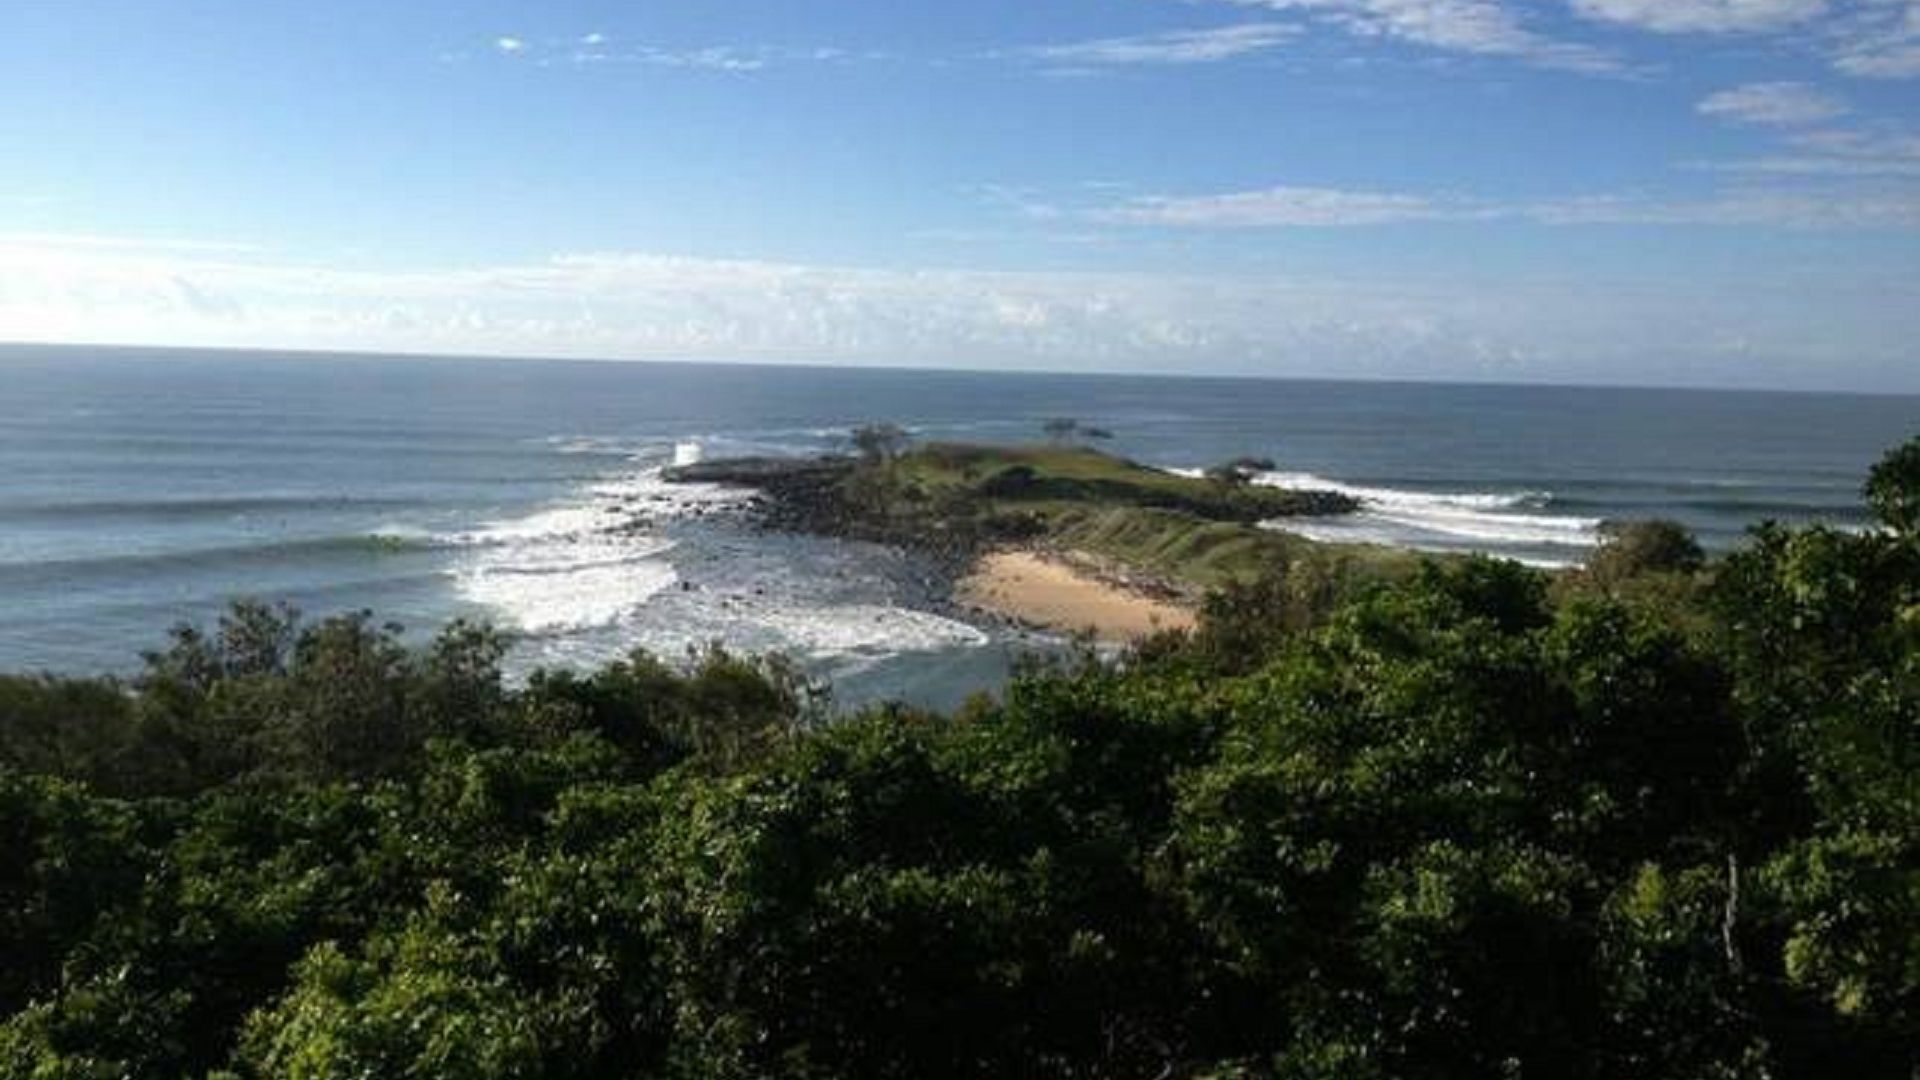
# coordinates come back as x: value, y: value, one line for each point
x: 645, y: 491
x: 597, y: 574
x: 580, y: 598
x: 1497, y: 522
x: 1410, y: 501
x: 1502, y: 523
x: 868, y: 631
x: 590, y: 561
x: 563, y: 569
x: 1358, y: 530
x: 837, y: 637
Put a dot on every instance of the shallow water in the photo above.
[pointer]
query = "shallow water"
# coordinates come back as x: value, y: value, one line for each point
x: 141, y: 488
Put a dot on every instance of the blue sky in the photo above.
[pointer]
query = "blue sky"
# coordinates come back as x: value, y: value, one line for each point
x: 1708, y: 192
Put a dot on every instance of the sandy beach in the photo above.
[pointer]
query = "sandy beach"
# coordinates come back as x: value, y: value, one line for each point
x: 1047, y: 591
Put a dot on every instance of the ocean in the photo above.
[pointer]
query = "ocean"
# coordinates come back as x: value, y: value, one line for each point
x: 141, y: 488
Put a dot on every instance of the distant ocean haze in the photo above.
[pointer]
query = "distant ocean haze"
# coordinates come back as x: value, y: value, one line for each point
x: 138, y: 489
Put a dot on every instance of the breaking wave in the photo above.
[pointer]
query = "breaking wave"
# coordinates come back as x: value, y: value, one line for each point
x: 590, y: 561
x: 621, y: 563
x: 1508, y: 523
x: 188, y: 508
x: 227, y: 557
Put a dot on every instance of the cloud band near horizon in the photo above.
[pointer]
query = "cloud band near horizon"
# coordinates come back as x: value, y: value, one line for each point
x: 639, y: 306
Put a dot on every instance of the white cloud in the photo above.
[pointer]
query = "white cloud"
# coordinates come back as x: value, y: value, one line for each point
x: 1863, y: 38
x: 1172, y: 47
x: 1703, y: 16
x: 1883, y: 143
x: 1847, y: 207
x: 1276, y: 207
x: 1881, y: 40
x: 1817, y: 166
x: 598, y: 48
x: 624, y: 305
x: 1764, y: 207
x: 1480, y: 27
x: 1023, y: 201
x: 1881, y: 59
x: 711, y: 58
x: 1779, y: 104
x: 634, y: 306
x: 725, y: 58
x: 1871, y: 152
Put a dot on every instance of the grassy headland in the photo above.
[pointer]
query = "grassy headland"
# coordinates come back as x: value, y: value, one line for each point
x: 1128, y: 536
x: 956, y: 500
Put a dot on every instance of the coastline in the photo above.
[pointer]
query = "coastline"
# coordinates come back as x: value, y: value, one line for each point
x: 1069, y: 594
x: 1059, y: 538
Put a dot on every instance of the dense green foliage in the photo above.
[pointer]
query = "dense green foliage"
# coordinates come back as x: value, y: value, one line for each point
x: 1658, y: 819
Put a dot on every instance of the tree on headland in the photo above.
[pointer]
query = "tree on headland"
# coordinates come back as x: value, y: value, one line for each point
x: 880, y: 442
x: 874, y: 485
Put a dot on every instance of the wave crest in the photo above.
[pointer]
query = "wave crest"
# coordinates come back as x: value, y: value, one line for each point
x: 1505, y: 523
x: 591, y: 561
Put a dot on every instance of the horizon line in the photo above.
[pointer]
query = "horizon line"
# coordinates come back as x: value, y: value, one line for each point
x: 294, y: 352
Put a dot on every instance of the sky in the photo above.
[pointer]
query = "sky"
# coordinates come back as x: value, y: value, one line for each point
x: 1656, y: 192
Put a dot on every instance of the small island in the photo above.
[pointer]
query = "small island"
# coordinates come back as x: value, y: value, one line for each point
x: 1060, y: 536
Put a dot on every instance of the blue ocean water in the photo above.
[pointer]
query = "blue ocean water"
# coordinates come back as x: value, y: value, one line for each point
x: 139, y: 488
